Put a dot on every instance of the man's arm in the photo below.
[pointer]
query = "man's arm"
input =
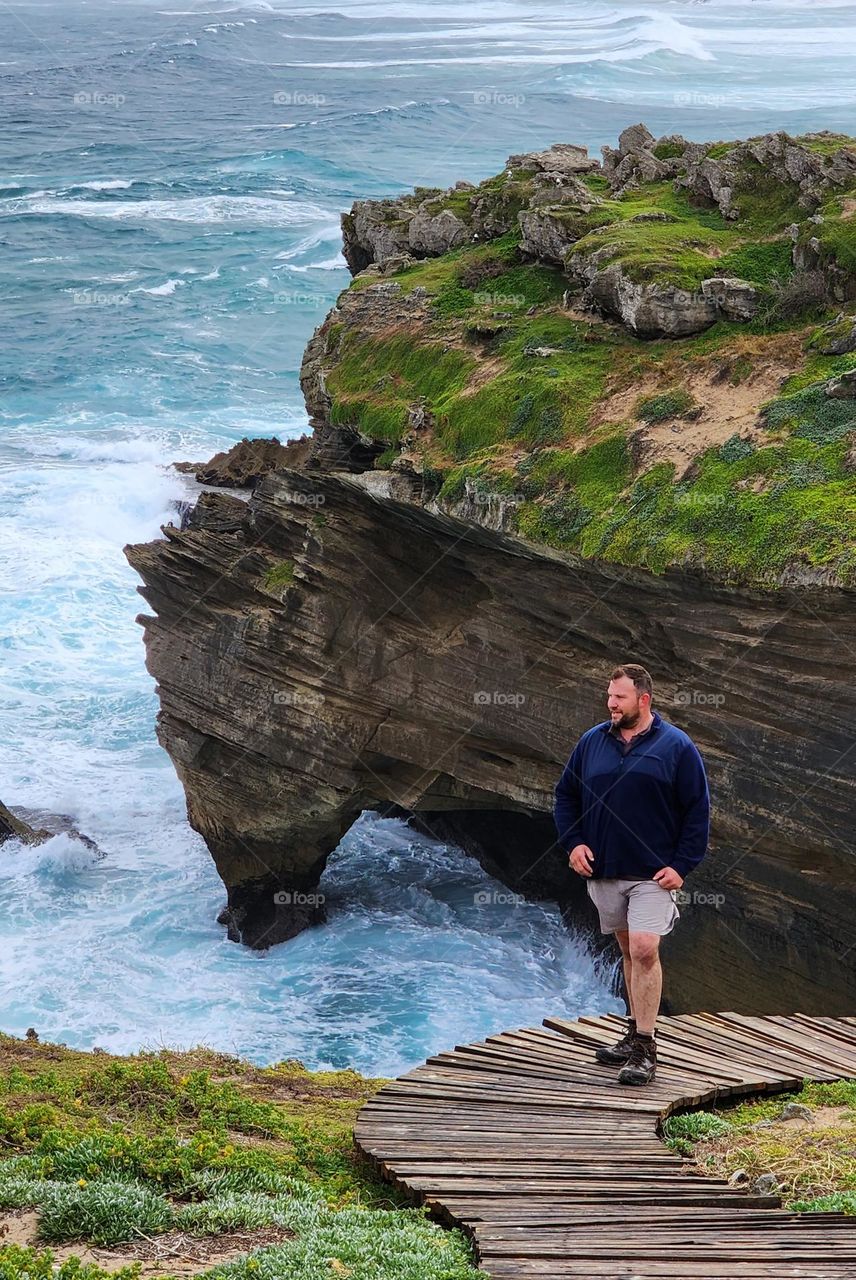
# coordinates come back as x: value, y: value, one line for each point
x: 693, y: 799
x: 568, y: 807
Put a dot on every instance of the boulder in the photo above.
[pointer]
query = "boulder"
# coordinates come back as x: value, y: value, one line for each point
x: 838, y: 338
x: 561, y: 189
x: 737, y: 299
x: 374, y: 230
x: 563, y: 157
x: 795, y: 1111
x: 843, y: 387
x: 648, y: 309
x: 430, y: 235
x: 546, y: 235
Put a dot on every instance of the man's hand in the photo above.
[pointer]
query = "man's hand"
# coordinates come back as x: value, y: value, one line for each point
x: 668, y: 878
x: 581, y: 859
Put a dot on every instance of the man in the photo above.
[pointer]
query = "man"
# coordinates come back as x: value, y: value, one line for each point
x: 633, y: 808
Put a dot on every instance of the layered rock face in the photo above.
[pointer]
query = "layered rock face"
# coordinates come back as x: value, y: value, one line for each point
x: 407, y: 659
x: 507, y: 491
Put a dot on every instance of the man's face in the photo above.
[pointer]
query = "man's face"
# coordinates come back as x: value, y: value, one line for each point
x: 625, y: 706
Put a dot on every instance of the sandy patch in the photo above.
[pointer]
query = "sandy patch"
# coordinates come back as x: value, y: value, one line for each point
x: 726, y: 408
x: 172, y: 1253
x: 823, y: 1118
x: 488, y: 368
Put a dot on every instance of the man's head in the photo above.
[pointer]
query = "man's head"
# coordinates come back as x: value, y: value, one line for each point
x: 629, y: 695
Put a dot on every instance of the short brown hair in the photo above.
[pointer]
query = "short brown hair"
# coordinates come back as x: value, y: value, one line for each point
x: 641, y: 678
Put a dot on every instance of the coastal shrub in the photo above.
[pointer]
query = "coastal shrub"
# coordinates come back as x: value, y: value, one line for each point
x: 681, y: 1132
x: 374, y: 1245
x: 105, y: 1211
x: 549, y: 427
x: 838, y: 1202
x: 813, y: 415
x: 804, y: 293
x: 663, y: 405
x: 231, y: 1211
x: 18, y: 1262
x: 669, y: 150
x: 522, y: 414
x: 25, y: 1125
x: 735, y: 448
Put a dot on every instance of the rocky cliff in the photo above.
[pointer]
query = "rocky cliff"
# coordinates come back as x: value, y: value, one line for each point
x: 579, y: 413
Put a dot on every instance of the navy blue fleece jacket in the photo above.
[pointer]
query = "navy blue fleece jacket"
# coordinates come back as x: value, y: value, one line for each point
x: 639, y: 810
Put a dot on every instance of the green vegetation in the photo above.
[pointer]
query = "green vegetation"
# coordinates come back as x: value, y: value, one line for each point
x: 811, y: 1162
x: 664, y: 405
x: 279, y: 576
x: 116, y: 1150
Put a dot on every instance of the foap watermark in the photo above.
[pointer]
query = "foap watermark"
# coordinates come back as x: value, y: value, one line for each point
x: 697, y: 898
x: 484, y: 298
x: 299, y: 499
x: 296, y: 898
x: 482, y: 497
x: 698, y: 698
x: 497, y: 98
x: 498, y: 898
x: 297, y: 298
x: 299, y: 98
x: 692, y: 98
x: 98, y: 98
x: 498, y: 698
x: 700, y: 499
x: 304, y: 699
x: 93, y: 298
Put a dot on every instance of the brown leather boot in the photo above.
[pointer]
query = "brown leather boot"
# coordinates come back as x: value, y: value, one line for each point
x: 642, y: 1062
x: 620, y: 1051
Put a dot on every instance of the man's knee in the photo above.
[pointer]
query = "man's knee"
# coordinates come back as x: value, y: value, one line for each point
x: 644, y: 948
x: 623, y: 938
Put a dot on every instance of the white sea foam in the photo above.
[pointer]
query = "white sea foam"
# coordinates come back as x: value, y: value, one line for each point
x: 195, y: 209
x: 162, y: 290
x: 105, y: 184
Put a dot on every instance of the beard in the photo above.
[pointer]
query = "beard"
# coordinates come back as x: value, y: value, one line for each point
x: 628, y: 719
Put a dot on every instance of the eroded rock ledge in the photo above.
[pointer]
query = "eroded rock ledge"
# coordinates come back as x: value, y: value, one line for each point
x: 321, y: 651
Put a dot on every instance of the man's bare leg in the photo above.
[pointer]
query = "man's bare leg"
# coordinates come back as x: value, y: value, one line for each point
x: 646, y: 975
x: 624, y: 942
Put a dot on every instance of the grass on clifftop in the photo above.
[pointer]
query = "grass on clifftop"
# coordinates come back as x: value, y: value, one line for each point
x: 720, y: 451
x: 157, y: 1156
x: 810, y: 1158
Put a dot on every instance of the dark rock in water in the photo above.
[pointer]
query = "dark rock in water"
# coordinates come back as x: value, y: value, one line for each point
x: 242, y: 466
x: 14, y: 828
x: 20, y: 826
x: 183, y: 508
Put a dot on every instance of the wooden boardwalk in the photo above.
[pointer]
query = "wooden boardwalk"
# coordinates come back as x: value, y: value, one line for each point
x: 556, y: 1170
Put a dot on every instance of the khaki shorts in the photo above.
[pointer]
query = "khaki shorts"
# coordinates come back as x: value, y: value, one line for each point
x: 636, y: 905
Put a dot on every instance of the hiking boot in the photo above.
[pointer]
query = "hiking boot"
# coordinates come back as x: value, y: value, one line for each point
x: 620, y: 1051
x: 642, y: 1062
